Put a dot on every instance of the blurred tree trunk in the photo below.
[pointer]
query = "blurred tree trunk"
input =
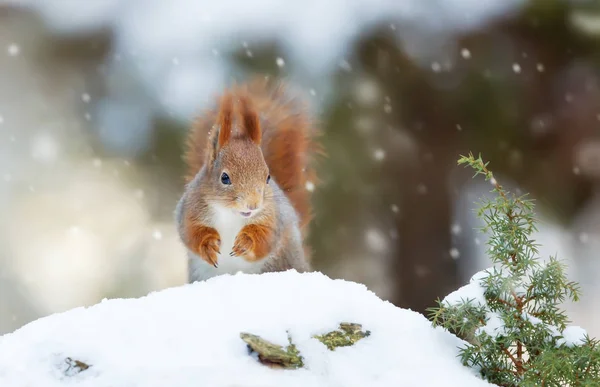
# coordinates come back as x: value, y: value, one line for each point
x: 424, y: 269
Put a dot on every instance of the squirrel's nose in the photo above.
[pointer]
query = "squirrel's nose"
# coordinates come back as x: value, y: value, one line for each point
x: 252, y: 206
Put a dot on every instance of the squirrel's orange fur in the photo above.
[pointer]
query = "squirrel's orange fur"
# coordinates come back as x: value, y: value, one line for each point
x: 256, y: 134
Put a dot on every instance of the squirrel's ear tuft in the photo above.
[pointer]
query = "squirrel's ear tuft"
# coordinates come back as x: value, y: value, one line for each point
x: 225, y: 118
x: 250, y: 120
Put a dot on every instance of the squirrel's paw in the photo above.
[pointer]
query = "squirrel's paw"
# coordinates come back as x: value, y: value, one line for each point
x: 242, y: 245
x: 210, y: 247
x: 252, y: 243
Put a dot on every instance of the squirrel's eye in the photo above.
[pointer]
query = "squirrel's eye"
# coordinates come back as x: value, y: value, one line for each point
x: 225, y: 179
x: 268, y: 179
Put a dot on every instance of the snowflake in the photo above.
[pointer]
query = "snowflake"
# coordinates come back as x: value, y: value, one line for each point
x: 13, y: 49
x: 456, y: 229
x: 376, y: 241
x: 379, y: 154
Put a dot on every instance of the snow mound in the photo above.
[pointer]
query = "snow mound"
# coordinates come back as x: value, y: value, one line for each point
x: 190, y: 336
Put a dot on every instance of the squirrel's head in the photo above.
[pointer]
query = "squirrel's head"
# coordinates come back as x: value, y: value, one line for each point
x: 239, y: 176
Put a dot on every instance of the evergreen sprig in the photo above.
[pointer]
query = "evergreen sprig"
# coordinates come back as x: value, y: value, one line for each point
x: 515, y: 331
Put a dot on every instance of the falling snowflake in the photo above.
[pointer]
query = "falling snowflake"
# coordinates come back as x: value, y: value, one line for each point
x: 379, y: 154
x: 157, y: 235
x: 387, y: 108
x: 312, y: 92
x: 422, y: 189
x: 310, y: 186
x: 540, y: 67
x: 249, y: 53
x: 366, y: 92
x: 13, y: 49
x: 576, y: 170
x: 376, y: 241
x: 44, y: 148
x: 436, y: 67
x: 454, y: 253
x: 516, y: 68
x: 456, y: 229
x: 465, y: 53
x: 85, y: 97
x: 97, y: 163
x: 394, y: 208
x: 280, y: 62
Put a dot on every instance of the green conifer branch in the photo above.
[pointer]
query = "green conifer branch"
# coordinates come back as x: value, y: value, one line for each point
x: 515, y: 334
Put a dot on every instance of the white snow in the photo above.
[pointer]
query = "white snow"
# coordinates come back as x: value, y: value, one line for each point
x: 572, y: 336
x: 473, y: 291
x: 494, y: 325
x: 189, y: 336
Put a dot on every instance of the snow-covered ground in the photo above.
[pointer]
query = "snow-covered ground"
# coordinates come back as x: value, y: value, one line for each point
x: 189, y: 335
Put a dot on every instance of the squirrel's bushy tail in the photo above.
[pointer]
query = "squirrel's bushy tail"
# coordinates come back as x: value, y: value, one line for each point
x: 289, y: 141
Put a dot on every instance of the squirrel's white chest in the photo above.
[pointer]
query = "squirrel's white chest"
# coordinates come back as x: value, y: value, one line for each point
x: 228, y: 224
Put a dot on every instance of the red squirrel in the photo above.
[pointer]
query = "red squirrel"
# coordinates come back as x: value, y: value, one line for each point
x: 246, y: 204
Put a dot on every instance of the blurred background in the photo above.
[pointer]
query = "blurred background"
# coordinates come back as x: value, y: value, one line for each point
x: 96, y: 97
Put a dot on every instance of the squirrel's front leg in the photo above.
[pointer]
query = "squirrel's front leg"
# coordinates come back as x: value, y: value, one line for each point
x: 253, y: 242
x: 203, y: 241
